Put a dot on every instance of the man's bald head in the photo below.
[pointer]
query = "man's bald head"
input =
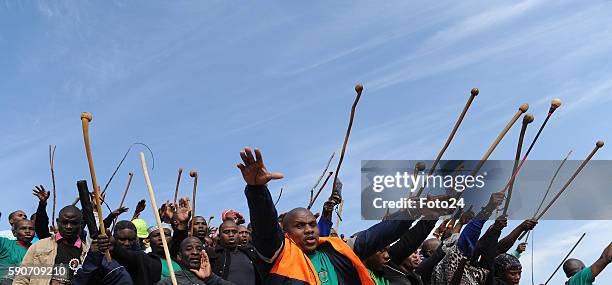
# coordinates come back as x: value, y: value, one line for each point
x: 571, y: 266
x: 429, y: 246
x: 293, y: 214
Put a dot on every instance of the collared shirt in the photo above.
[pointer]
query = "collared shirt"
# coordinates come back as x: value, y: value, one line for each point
x: 77, y: 243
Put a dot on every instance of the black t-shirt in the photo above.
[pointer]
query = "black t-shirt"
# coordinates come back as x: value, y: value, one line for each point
x: 241, y: 271
x: 69, y: 258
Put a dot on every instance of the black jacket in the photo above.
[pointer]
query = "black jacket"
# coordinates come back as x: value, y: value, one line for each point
x: 188, y: 278
x: 220, y: 261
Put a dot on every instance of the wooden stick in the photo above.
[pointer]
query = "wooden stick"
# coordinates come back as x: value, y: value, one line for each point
x: 320, y: 189
x: 418, y: 167
x: 527, y: 119
x: 51, y: 163
x: 157, y: 218
x: 193, y: 174
x: 127, y: 187
x: 85, y: 119
x: 473, y: 95
x: 551, y: 183
x: 522, y: 109
x: 358, y: 89
x: 210, y: 220
x: 279, y: 196
x: 321, y: 177
x: 599, y: 144
x: 565, y: 258
x: 554, y: 104
x: 178, y: 181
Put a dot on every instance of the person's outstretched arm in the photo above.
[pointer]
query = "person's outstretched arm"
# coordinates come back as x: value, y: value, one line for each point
x: 41, y: 225
x: 508, y: 241
x: 602, y: 262
x: 469, y: 237
x: 411, y: 240
x: 267, y: 235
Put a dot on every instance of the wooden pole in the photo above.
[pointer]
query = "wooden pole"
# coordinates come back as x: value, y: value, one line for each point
x: 85, y: 119
x: 157, y: 218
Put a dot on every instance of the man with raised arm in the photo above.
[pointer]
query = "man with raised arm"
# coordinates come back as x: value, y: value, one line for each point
x: 579, y: 274
x: 296, y: 252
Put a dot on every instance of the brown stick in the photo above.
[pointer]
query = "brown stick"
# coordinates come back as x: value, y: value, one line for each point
x: 193, y: 174
x: 85, y: 119
x: 599, y: 144
x: 358, y: 89
x: 127, y: 187
x: 210, y: 219
x: 522, y: 109
x: 319, y: 191
x: 473, y: 95
x: 51, y: 163
x: 178, y: 181
x: 157, y: 218
x: 527, y: 119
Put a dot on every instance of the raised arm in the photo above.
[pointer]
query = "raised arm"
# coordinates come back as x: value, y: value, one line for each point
x: 411, y: 240
x: 508, y: 241
x: 267, y: 235
x: 603, y: 261
x: 469, y: 237
x: 41, y: 225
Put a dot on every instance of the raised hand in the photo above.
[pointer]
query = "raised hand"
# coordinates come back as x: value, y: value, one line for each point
x: 119, y: 211
x: 142, y: 204
x: 41, y: 193
x: 204, y: 271
x: 501, y: 222
x: 496, y: 199
x: 183, y: 212
x: 528, y: 225
x: 466, y: 217
x: 521, y: 247
x: 253, y: 170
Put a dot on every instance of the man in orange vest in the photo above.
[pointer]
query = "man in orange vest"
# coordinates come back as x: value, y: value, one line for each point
x: 296, y: 253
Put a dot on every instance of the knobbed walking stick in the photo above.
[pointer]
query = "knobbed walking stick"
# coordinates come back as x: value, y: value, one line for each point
x: 178, y: 181
x: 358, y: 89
x: 193, y: 174
x: 527, y: 119
x: 564, y: 259
x: 85, y: 119
x: 473, y: 93
x: 599, y: 144
x: 51, y: 164
x: 157, y: 218
x: 554, y: 104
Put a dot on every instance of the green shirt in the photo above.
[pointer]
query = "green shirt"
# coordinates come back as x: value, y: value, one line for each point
x: 165, y: 270
x: 325, y: 269
x: 583, y: 277
x: 378, y: 280
x: 11, y: 254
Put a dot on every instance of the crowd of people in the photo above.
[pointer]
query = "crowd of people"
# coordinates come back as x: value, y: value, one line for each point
x: 296, y: 247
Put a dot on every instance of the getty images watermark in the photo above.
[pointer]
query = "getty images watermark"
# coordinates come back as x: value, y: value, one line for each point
x: 414, y: 182
x: 390, y: 186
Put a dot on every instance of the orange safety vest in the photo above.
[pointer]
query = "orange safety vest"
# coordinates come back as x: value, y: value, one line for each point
x: 292, y: 266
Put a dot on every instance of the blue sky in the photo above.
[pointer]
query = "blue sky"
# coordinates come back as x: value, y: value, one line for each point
x: 199, y: 80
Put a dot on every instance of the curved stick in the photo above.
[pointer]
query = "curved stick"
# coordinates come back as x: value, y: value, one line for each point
x: 551, y: 183
x: 193, y: 174
x: 527, y: 119
x: 279, y: 196
x: 51, y: 163
x: 358, y: 89
x: 320, y: 189
x: 178, y: 181
x: 565, y: 258
x: 157, y: 218
x: 85, y: 119
x: 599, y: 144
x: 122, y: 159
